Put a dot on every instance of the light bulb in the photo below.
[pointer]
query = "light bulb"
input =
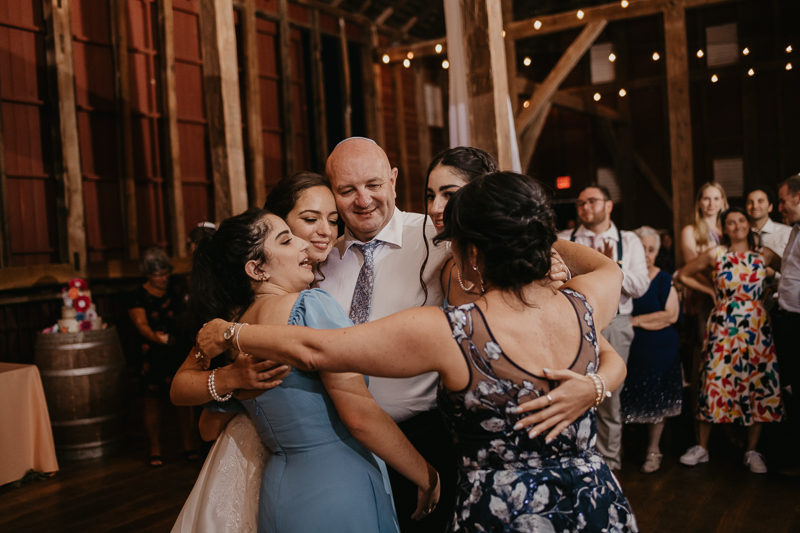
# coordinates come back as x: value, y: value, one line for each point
x: 596, y: 97
x: 445, y: 64
x: 624, y: 3
x: 714, y: 78
x: 410, y: 55
x: 622, y: 92
x: 438, y: 48
x: 406, y: 63
x: 526, y: 61
x: 656, y: 57
x: 788, y: 66
x: 504, y: 34
x: 789, y: 49
x: 526, y: 104
x: 537, y: 24
x: 580, y: 14
x: 746, y: 51
x: 700, y: 53
x: 386, y: 58
x: 612, y: 57
x: 751, y: 72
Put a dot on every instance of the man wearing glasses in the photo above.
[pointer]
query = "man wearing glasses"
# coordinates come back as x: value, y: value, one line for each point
x: 596, y: 229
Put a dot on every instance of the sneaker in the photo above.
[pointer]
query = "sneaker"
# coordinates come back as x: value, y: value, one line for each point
x: 694, y: 455
x: 652, y: 463
x: 755, y: 461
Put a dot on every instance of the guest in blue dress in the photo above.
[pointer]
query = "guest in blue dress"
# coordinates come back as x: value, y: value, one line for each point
x: 321, y: 428
x: 511, y: 346
x: 654, y: 387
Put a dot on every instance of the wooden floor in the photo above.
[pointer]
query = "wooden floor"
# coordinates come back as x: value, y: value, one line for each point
x: 123, y: 494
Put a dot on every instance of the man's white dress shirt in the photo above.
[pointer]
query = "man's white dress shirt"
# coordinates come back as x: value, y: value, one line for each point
x: 396, y: 288
x: 789, y: 289
x: 774, y: 236
x: 634, y: 265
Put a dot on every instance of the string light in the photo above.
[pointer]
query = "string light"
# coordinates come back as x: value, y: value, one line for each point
x: 700, y: 53
x: 751, y: 72
x: 504, y: 34
x: 526, y: 104
x: 410, y: 55
x: 537, y: 24
x: 526, y: 61
x: 406, y: 63
x: 438, y: 48
x: 656, y: 57
x: 612, y: 57
x: 386, y: 58
x: 714, y: 79
x: 746, y: 51
x: 788, y: 66
x: 789, y: 49
x: 445, y: 64
x: 622, y: 92
x: 597, y: 97
x: 624, y: 3
x: 580, y: 14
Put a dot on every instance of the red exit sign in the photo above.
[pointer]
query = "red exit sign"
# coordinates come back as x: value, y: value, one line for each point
x: 563, y: 182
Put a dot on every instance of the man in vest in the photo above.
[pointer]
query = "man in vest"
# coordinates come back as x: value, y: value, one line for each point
x: 596, y: 229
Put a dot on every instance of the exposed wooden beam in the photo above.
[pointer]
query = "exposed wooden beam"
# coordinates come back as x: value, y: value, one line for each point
x: 364, y: 7
x: 359, y: 18
x: 257, y: 192
x: 680, y: 125
x: 530, y: 138
x: 400, y: 127
x: 423, y: 131
x: 422, y: 15
x: 347, y: 98
x: 652, y: 179
x: 223, y: 107
x: 420, y: 49
x: 318, y: 89
x: 487, y: 82
x: 568, y: 20
x: 372, y: 76
x: 389, y: 11
x: 287, y: 115
x: 119, y: 38
x: 565, y: 64
x: 67, y: 157
x: 169, y: 116
x: 571, y: 101
x: 5, y: 236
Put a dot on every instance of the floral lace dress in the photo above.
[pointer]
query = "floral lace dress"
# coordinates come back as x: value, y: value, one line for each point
x: 507, y: 481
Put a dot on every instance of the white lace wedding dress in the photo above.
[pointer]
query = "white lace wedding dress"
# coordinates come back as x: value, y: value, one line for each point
x: 225, y: 496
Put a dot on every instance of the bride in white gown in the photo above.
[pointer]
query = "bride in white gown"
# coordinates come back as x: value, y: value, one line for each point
x: 225, y: 497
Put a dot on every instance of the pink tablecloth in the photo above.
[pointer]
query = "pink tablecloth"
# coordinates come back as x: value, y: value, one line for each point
x: 26, y: 439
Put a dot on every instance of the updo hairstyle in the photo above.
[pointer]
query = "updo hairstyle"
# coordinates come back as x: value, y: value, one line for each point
x: 220, y: 284
x: 508, y: 218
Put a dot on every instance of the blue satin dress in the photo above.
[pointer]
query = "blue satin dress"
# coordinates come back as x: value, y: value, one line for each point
x: 320, y: 478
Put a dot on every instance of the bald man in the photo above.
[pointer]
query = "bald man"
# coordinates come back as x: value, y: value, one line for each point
x: 363, y: 184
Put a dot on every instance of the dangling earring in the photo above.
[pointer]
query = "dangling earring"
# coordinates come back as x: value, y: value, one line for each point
x: 475, y: 268
x: 460, y: 282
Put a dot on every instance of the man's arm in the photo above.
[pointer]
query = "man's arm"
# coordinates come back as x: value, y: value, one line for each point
x: 634, y: 266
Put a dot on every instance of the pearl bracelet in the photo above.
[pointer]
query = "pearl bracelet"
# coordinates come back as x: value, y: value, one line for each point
x: 600, y: 388
x: 212, y: 388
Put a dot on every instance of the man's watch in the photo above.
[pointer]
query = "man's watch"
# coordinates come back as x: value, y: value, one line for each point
x: 228, y: 335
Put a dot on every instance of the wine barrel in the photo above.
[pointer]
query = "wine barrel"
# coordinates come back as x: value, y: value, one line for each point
x: 83, y: 376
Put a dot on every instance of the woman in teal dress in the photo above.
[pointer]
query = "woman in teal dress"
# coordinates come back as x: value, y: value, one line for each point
x: 321, y: 428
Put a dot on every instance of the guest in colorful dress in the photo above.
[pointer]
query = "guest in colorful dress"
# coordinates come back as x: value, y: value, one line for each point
x: 739, y: 375
x: 654, y: 386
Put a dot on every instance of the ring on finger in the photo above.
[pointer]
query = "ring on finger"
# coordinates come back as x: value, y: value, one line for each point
x: 549, y: 399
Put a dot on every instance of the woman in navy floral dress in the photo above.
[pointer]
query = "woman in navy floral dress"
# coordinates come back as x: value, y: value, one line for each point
x: 550, y: 480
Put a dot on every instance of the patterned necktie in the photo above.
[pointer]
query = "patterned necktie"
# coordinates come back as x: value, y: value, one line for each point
x: 362, y: 295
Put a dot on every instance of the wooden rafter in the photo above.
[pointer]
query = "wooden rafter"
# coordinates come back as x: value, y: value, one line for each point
x: 389, y: 11
x: 571, y: 101
x: 420, y: 49
x: 568, y: 60
x: 422, y: 15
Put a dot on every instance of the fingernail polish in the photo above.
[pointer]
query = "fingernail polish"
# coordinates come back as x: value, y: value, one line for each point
x: 512, y: 410
x: 517, y: 426
x: 546, y: 370
x: 532, y: 434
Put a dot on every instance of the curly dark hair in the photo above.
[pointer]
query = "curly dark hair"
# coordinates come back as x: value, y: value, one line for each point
x: 219, y: 282
x: 469, y: 163
x: 508, y: 218
x: 726, y: 240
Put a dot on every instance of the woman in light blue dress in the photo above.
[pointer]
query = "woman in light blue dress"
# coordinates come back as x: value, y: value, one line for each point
x: 321, y: 428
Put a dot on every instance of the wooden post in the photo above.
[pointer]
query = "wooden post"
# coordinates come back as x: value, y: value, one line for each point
x: 119, y: 36
x: 221, y: 87
x: 680, y: 126
x: 373, y: 89
x: 423, y: 131
x: 170, y: 129
x: 318, y: 84
x: 287, y: 115
x: 67, y: 157
x: 257, y: 192
x: 487, y: 80
x: 347, y: 103
x: 511, y: 55
x: 402, y: 145
x: 5, y: 237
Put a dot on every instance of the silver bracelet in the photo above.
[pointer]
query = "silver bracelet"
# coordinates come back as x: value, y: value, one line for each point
x: 213, y: 389
x: 239, y: 346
